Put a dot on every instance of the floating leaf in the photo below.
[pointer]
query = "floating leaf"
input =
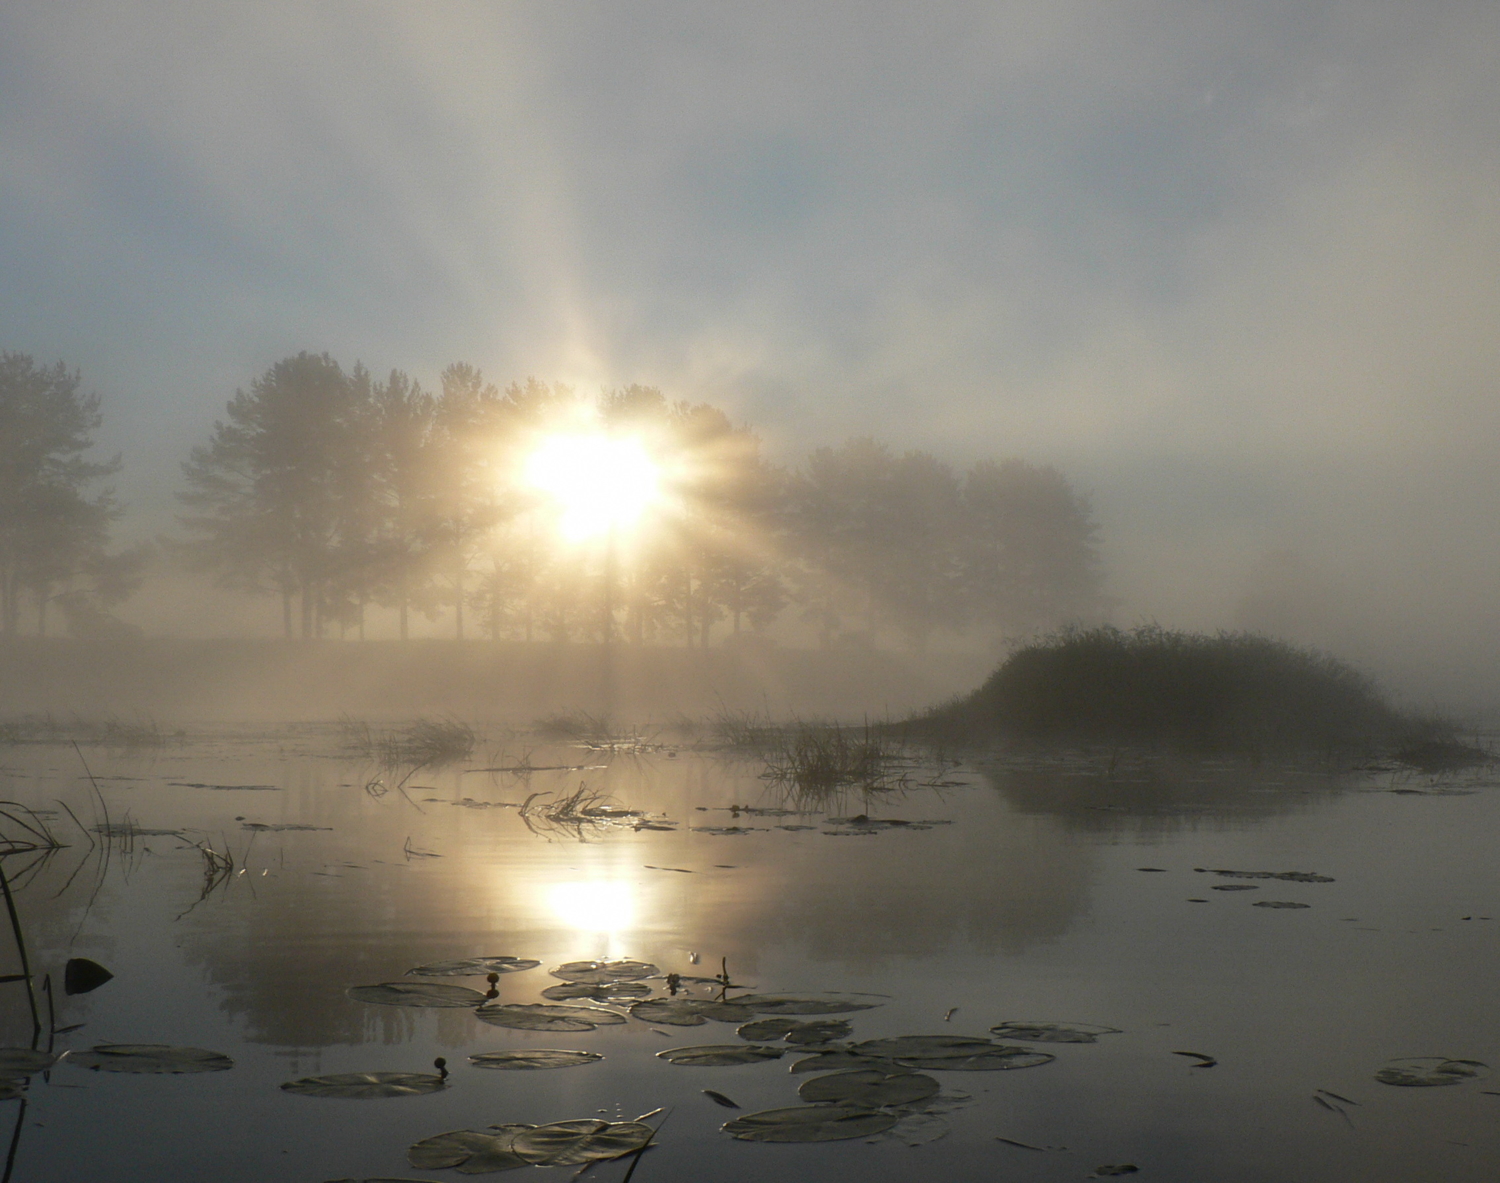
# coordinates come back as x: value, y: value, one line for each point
x: 82, y: 976
x: 366, y: 1085
x: 534, y: 1058
x: 869, y: 1087
x: 474, y: 967
x: 766, y: 1029
x: 918, y: 1129
x: 149, y: 1057
x: 1278, y: 904
x: 718, y: 1055
x: 1430, y: 1072
x: 837, y: 1061
x: 720, y: 1099
x: 819, y: 1032
x: 823, y: 1031
x: 1287, y: 876
x: 534, y: 1016
x: 688, y: 1012
x: 918, y: 1047
x: 596, y: 973
x: 609, y: 992
x: 1123, y: 1168
x: 1234, y: 887
x: 18, y: 1061
x: 572, y: 1143
x: 473, y: 1152
x: 829, y: 1003
x: 1052, y: 1032
x: 953, y: 1053
x: 429, y: 994
x: 809, y: 1123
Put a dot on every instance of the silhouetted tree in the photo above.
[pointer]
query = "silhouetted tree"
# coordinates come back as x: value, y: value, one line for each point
x: 267, y: 490
x: 403, y: 476
x: 51, y: 532
x: 1030, y: 557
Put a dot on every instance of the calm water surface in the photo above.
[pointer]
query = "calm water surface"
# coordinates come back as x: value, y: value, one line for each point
x: 1027, y: 902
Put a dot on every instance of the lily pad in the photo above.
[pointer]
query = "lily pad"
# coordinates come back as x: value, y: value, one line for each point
x: 841, y: 1059
x: 809, y: 1123
x: 919, y: 1047
x: 952, y: 1053
x: 1430, y: 1072
x: 821, y: 1032
x: 474, y: 967
x: 609, y: 992
x: 766, y: 1029
x: 428, y: 994
x: 1278, y: 904
x: 828, y: 1003
x: 918, y: 1129
x: 718, y: 1055
x: 149, y: 1057
x: 1052, y: 1032
x: 572, y: 1143
x: 535, y: 1016
x: 473, y: 1152
x: 596, y: 973
x: 366, y: 1085
x: 688, y: 1012
x: 534, y: 1058
x: 18, y: 1061
x: 869, y: 1087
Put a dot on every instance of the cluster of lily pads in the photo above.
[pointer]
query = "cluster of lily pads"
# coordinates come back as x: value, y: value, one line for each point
x: 855, y: 1089
x: 18, y: 1064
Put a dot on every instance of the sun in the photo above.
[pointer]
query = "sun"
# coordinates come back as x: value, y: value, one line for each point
x: 596, y: 482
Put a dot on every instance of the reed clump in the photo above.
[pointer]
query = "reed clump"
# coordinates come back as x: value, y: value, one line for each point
x: 819, y: 757
x: 423, y: 743
x: 1149, y: 685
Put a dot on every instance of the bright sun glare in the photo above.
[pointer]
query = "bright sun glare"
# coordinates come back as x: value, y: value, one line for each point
x: 597, y: 482
x: 607, y: 908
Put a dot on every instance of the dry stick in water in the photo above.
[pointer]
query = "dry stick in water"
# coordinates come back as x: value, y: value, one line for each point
x: 645, y: 1146
x: 15, y: 928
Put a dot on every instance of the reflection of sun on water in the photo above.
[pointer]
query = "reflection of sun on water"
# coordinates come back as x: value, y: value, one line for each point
x: 596, y: 482
x: 606, y: 908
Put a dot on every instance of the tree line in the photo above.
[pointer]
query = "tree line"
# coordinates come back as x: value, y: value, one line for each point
x: 337, y: 491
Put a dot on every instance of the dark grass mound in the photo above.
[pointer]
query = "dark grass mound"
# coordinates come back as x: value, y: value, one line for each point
x: 1233, y: 691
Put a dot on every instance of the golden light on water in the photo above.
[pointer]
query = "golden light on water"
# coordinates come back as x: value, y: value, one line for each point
x: 596, y: 482
x: 603, y: 907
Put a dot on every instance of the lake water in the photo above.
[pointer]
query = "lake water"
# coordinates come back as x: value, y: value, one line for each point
x: 1024, y: 900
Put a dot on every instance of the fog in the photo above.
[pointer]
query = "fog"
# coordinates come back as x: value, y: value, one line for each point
x: 1230, y: 269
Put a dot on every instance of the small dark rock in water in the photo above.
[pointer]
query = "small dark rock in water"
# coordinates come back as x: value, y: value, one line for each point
x: 81, y: 975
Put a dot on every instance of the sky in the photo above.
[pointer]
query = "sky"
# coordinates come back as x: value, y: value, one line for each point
x: 1234, y: 268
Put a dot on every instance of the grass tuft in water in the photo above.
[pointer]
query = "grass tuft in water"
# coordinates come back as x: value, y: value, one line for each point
x: 820, y: 757
x: 423, y: 743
